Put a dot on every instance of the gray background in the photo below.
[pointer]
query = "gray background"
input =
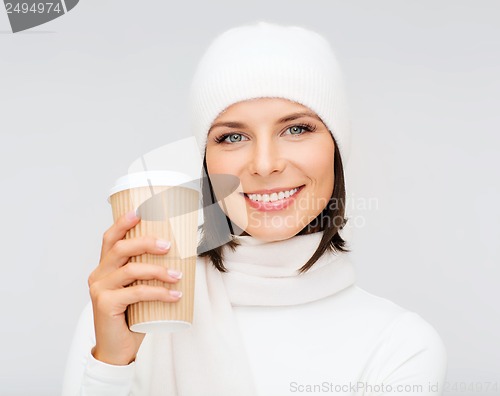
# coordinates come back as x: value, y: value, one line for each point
x: 86, y: 94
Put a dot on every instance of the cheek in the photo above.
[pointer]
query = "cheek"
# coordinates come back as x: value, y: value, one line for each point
x: 318, y: 162
x: 225, y: 162
x: 210, y: 160
x: 223, y: 169
x: 318, y: 166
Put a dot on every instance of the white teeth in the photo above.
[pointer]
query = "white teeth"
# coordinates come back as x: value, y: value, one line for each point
x: 273, y: 197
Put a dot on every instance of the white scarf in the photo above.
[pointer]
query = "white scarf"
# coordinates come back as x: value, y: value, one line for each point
x: 209, y: 359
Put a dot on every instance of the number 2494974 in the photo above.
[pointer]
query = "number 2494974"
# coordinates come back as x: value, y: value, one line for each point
x: 35, y: 8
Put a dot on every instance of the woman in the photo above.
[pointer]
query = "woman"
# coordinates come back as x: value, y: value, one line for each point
x: 277, y: 311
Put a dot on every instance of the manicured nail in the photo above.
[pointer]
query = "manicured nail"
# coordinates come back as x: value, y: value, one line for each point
x: 175, y: 293
x: 162, y: 244
x: 175, y: 274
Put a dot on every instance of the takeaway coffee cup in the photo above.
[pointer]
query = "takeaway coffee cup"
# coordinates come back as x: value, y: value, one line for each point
x: 168, y: 205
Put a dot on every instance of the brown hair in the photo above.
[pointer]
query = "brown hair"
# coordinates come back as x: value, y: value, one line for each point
x: 333, y: 215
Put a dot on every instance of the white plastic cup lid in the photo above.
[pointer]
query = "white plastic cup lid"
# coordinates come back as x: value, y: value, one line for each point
x: 153, y: 178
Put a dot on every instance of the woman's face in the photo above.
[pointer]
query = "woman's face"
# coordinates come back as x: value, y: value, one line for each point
x: 282, y: 154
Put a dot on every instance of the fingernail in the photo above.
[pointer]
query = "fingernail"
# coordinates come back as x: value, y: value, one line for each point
x: 175, y: 274
x: 175, y: 293
x: 131, y: 216
x: 162, y: 244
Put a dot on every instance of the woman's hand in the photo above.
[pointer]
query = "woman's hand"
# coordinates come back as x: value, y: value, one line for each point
x: 115, y: 343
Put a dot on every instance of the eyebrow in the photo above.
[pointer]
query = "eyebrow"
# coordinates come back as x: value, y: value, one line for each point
x: 287, y: 118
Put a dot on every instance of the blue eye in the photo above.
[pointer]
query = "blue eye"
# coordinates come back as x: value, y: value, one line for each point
x: 237, y: 137
x: 296, y: 130
x: 233, y: 138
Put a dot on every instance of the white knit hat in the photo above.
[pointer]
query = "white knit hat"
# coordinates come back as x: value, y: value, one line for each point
x: 270, y: 60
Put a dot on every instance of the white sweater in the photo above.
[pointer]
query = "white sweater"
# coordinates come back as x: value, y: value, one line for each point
x: 349, y: 343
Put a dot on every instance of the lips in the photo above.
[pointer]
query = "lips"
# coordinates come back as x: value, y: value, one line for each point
x: 267, y: 206
x: 272, y: 197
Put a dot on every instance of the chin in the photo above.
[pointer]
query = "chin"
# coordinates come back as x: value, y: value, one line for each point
x: 272, y: 234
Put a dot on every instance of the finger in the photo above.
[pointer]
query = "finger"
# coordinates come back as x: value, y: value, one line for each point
x: 139, y: 271
x: 124, y: 249
x: 118, y: 230
x: 133, y: 294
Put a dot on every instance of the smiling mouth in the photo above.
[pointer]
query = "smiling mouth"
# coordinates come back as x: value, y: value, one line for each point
x: 275, y: 196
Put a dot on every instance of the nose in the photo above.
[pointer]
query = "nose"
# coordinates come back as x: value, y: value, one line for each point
x: 266, y: 158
